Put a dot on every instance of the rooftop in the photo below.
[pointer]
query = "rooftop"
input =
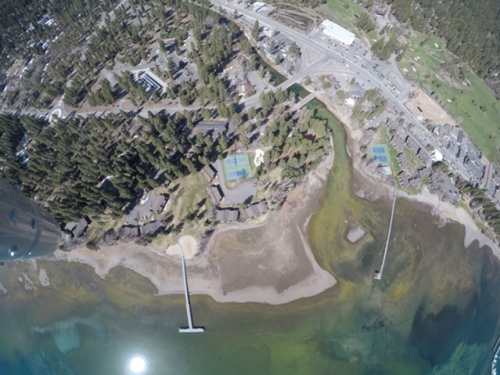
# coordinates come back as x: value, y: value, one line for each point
x: 338, y: 32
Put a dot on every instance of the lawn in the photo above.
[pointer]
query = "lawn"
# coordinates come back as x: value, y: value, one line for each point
x: 466, y: 97
x: 412, y: 159
x: 185, y: 200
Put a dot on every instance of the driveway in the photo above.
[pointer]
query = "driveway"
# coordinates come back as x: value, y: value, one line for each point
x: 243, y: 193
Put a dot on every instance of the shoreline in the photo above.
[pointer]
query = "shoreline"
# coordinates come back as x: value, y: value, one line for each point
x: 446, y: 211
x: 204, y: 270
x: 207, y: 273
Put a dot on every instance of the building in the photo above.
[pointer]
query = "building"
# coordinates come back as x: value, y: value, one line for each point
x: 159, y: 204
x: 128, y: 232
x: 213, y: 127
x: 149, y: 228
x: 80, y: 227
x: 397, y: 142
x: 338, y: 32
x: 357, y: 91
x: 146, y: 81
x: 485, y: 181
x: 226, y: 216
x: 424, y: 172
x: 170, y: 42
x: 350, y: 102
x: 214, y: 194
x: 258, y: 6
x: 331, y: 78
x: 254, y: 210
x: 436, y: 156
x: 208, y: 173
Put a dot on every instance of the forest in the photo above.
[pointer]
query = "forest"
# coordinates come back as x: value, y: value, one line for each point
x: 469, y: 27
x: 66, y: 162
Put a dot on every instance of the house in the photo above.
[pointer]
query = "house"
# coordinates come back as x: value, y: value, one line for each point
x: 160, y: 177
x: 214, y: 194
x: 414, y: 182
x: 424, y: 172
x: 171, y: 42
x: 211, y: 127
x: 357, y: 91
x: 331, y: 78
x: 397, y: 142
x: 208, y: 173
x: 226, y: 215
x: 412, y: 145
x: 128, y: 232
x: 107, y: 185
x: 149, y: 228
x: 80, y: 227
x: 159, y: 204
x: 254, y: 210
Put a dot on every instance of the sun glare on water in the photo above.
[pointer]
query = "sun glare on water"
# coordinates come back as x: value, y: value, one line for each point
x: 137, y: 364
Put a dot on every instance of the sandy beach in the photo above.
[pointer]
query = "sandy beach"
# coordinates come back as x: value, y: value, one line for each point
x: 270, y: 262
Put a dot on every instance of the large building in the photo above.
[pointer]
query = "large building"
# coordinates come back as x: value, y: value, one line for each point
x: 338, y: 32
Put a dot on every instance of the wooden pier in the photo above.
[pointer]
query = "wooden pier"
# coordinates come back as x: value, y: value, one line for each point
x: 189, y: 329
x: 378, y: 274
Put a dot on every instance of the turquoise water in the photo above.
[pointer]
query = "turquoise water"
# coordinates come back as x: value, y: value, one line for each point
x: 434, y: 312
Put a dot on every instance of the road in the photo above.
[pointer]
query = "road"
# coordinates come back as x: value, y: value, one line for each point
x: 327, y: 56
x: 351, y: 67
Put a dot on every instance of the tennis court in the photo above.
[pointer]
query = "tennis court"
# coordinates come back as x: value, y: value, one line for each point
x: 237, y: 167
x: 380, y: 153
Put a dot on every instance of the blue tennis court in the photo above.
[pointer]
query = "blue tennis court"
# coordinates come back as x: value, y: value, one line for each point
x: 235, y: 160
x: 380, y: 153
x: 237, y: 173
x: 237, y: 167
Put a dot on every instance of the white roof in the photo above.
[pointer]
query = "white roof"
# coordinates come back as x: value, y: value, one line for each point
x: 259, y: 4
x: 436, y: 156
x: 338, y: 32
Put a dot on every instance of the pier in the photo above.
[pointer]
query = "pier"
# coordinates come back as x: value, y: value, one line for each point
x: 378, y: 274
x: 189, y: 329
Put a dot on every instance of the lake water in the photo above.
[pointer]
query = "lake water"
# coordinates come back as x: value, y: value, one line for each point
x: 435, y: 311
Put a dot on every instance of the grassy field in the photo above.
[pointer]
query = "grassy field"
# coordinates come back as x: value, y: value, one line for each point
x: 461, y: 99
x: 412, y: 159
x: 186, y: 199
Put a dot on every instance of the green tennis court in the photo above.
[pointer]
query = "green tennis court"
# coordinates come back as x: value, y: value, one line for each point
x: 237, y: 167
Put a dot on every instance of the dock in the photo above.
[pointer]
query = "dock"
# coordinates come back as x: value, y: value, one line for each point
x: 189, y: 329
x: 378, y: 274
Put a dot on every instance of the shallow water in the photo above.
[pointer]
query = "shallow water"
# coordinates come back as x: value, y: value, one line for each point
x: 435, y: 311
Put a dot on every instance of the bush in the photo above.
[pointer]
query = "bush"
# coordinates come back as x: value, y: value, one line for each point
x: 91, y: 245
